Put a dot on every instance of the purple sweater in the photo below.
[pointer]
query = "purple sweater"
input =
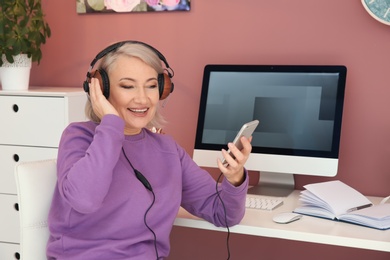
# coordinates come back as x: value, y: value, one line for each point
x: 99, y: 205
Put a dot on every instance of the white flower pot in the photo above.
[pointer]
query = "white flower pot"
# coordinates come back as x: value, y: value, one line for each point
x: 15, y: 76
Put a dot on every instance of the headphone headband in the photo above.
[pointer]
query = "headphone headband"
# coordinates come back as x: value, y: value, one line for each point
x: 115, y: 46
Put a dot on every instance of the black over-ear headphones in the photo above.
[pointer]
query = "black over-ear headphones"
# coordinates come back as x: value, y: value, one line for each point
x: 165, y: 85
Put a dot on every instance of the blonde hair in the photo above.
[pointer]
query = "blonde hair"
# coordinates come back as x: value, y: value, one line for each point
x: 137, y: 50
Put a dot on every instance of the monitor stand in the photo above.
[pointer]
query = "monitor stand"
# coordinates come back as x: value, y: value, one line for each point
x: 274, y: 184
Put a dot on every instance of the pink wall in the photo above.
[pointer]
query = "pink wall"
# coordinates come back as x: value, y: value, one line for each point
x: 247, y: 32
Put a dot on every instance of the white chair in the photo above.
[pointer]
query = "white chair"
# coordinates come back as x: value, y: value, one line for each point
x: 35, y: 183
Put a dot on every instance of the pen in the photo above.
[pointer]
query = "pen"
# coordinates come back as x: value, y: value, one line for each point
x: 360, y: 207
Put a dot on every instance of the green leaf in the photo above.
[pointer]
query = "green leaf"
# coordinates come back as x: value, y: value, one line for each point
x: 10, y: 58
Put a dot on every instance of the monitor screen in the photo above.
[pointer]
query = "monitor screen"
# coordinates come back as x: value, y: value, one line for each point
x: 299, y: 109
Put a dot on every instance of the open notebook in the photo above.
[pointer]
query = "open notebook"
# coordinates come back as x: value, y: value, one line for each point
x: 337, y: 201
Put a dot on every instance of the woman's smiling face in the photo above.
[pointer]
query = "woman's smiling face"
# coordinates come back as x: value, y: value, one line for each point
x: 133, y: 92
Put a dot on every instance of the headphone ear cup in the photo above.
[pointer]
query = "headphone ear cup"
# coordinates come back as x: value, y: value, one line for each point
x: 165, y: 85
x: 86, y: 86
x: 104, y: 81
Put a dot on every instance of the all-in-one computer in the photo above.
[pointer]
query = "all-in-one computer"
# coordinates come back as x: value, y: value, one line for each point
x: 300, y: 112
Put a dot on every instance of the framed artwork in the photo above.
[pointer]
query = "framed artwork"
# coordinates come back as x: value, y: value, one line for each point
x: 125, y: 6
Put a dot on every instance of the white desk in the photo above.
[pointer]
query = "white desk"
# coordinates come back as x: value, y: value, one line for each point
x: 307, y: 229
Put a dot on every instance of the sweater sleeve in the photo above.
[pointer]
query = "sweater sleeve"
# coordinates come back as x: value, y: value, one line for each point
x: 200, y: 196
x: 86, y: 158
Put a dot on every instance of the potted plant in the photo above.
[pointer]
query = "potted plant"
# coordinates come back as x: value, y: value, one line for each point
x: 23, y: 30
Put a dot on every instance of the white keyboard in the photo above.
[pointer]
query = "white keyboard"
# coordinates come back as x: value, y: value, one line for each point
x: 263, y: 203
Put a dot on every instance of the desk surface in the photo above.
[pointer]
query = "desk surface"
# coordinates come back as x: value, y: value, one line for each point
x: 307, y: 229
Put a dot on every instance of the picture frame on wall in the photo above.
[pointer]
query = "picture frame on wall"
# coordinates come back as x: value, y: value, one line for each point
x: 128, y: 6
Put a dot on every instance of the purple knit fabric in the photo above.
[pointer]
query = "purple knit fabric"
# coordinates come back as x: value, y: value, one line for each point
x: 99, y: 205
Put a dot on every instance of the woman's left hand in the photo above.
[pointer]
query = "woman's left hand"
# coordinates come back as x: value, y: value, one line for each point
x: 234, y: 169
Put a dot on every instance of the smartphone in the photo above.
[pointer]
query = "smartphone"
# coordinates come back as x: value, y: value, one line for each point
x: 247, y: 131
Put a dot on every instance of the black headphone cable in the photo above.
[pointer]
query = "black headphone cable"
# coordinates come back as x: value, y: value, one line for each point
x: 225, y: 216
x: 147, y: 185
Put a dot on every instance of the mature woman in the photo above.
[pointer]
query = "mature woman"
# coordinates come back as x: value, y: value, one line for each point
x: 120, y: 185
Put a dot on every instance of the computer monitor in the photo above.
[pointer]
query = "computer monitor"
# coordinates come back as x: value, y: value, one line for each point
x: 300, y: 112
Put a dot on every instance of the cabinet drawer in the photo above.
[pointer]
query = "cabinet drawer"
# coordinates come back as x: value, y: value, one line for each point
x: 35, y: 121
x: 9, y: 251
x: 9, y: 219
x: 10, y: 155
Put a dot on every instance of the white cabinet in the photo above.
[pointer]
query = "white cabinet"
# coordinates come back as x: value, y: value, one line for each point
x: 31, y: 126
x: 9, y: 251
x: 9, y: 217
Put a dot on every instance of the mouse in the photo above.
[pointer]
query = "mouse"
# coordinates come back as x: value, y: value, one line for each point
x: 286, y: 217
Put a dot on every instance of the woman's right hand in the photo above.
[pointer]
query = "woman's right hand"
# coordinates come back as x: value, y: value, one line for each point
x: 100, y: 105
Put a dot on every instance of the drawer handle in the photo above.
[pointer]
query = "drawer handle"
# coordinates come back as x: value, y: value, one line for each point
x: 17, y: 255
x: 16, y: 206
x: 16, y: 158
x: 15, y: 108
